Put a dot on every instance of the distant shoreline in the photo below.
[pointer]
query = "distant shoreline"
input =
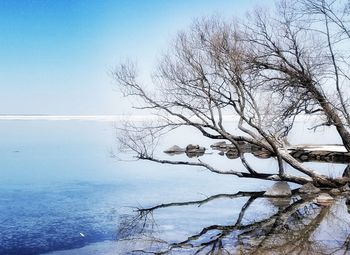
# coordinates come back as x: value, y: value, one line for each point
x: 74, y: 117
x: 129, y: 117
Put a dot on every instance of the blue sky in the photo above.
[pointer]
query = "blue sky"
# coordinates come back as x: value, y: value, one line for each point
x: 55, y: 55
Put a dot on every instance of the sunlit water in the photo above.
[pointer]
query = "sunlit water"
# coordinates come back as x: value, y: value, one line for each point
x: 60, y: 188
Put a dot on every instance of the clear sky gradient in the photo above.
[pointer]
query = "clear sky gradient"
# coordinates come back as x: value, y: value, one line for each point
x: 55, y: 55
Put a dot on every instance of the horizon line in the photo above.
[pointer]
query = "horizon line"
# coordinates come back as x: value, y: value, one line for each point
x: 112, y: 117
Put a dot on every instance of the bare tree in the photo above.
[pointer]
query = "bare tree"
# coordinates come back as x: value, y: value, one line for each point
x: 267, y: 70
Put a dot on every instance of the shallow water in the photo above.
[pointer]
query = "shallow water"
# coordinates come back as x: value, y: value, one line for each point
x: 60, y: 188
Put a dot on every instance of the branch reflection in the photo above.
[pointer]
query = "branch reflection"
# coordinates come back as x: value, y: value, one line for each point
x: 300, y: 226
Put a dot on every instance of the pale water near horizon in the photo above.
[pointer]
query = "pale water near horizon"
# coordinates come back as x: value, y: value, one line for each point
x: 60, y: 189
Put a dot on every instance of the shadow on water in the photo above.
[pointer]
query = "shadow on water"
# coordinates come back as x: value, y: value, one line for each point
x: 297, y: 225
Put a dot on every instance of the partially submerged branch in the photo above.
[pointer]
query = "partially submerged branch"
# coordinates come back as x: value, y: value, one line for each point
x: 256, y: 175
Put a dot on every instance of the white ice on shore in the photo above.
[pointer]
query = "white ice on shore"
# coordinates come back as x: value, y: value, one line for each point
x: 319, y: 147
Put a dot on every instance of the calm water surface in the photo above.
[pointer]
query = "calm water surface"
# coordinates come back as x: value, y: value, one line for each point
x: 61, y: 191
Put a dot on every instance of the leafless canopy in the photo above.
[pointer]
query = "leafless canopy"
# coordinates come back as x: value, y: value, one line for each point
x: 267, y: 69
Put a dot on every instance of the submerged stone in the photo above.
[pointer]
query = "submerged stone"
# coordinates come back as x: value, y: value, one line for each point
x: 280, y: 202
x: 279, y: 189
x: 309, y: 188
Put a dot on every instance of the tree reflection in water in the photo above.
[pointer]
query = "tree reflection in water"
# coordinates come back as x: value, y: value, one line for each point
x: 300, y: 226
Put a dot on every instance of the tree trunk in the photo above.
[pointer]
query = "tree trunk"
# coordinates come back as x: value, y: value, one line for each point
x: 333, y: 116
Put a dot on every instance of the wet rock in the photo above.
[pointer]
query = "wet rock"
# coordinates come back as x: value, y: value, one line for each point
x: 174, y: 150
x: 304, y: 157
x: 324, y: 199
x: 197, y: 148
x: 232, y: 154
x: 194, y: 154
x: 279, y: 189
x: 262, y: 154
x: 309, y: 188
x: 297, y: 153
x: 218, y: 144
x: 334, y: 191
x: 254, y: 147
x: 192, y: 147
x: 328, y: 158
x: 194, y: 150
x: 222, y: 146
x: 345, y: 188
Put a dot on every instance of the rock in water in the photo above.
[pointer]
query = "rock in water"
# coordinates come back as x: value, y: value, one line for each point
x: 334, y: 191
x: 174, y: 150
x: 309, y: 188
x: 232, y: 154
x: 219, y: 144
x: 345, y: 188
x: 279, y: 189
x: 324, y: 199
x: 280, y: 202
x: 195, y: 148
x: 194, y: 153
